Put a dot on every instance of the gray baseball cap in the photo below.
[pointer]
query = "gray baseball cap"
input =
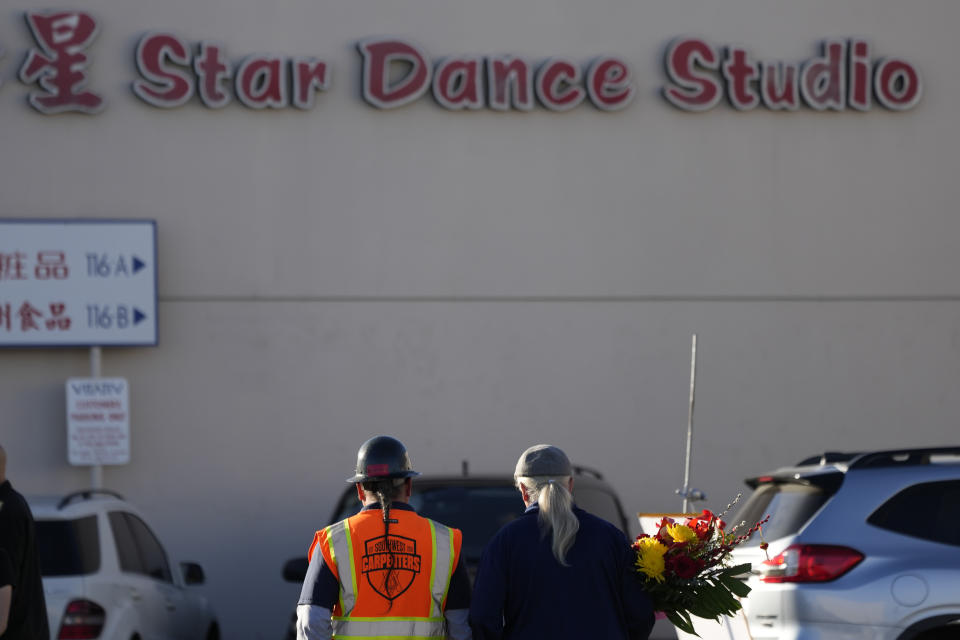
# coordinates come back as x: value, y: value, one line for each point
x: 543, y: 460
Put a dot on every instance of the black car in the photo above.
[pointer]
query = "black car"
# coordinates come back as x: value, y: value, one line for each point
x: 477, y: 505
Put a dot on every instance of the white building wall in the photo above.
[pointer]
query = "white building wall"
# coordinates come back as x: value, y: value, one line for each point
x: 474, y: 283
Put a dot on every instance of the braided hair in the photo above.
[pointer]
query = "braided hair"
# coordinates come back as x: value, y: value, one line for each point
x: 386, y: 491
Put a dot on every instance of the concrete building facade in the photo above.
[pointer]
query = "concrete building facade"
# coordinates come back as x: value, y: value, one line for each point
x: 478, y: 226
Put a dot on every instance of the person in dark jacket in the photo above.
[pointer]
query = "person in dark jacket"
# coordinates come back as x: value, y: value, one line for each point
x: 28, y: 611
x: 557, y: 572
x: 6, y: 590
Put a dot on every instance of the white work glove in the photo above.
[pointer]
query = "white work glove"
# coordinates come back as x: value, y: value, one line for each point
x: 313, y: 623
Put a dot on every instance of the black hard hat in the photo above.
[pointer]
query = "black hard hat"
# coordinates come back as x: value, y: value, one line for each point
x: 382, y: 458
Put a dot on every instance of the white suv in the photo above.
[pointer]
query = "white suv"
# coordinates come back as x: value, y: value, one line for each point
x: 861, y: 546
x: 106, y: 575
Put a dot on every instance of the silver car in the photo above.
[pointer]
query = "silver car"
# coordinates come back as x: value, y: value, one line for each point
x: 860, y: 546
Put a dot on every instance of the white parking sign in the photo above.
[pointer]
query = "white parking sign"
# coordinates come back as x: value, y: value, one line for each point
x: 98, y: 421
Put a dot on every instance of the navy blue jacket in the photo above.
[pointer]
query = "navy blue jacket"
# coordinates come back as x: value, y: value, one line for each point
x: 522, y: 592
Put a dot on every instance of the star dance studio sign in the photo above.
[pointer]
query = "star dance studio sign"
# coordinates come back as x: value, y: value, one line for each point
x: 172, y: 71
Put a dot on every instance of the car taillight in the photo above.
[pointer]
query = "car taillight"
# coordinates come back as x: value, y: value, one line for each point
x: 810, y: 563
x: 82, y: 620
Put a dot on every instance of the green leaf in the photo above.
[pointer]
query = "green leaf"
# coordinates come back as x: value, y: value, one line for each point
x: 724, y: 605
x: 719, y: 599
x: 702, y: 609
x: 736, y: 585
x: 737, y: 570
x: 681, y: 621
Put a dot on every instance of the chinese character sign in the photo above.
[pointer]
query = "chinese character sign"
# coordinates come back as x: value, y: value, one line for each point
x: 77, y: 283
x: 59, y: 65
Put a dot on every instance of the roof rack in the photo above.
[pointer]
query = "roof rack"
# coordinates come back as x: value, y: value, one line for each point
x: 828, y: 457
x: 581, y: 470
x: 902, y: 457
x: 86, y: 494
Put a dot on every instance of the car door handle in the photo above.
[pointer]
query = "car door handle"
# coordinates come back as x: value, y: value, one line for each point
x: 171, y: 606
x: 134, y: 594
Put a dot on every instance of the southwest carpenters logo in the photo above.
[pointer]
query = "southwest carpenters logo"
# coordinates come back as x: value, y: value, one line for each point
x: 390, y: 564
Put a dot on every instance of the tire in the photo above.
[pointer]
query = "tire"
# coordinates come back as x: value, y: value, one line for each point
x: 214, y: 632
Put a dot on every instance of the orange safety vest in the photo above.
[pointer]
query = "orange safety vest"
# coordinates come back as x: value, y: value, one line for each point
x: 411, y: 569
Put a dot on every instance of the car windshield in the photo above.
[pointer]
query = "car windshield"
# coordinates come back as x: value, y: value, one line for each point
x: 790, y: 507
x: 68, y: 547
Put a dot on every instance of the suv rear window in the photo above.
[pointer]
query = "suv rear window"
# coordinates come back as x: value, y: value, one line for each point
x: 790, y: 507
x: 601, y: 504
x: 927, y: 511
x: 68, y: 547
x: 477, y: 511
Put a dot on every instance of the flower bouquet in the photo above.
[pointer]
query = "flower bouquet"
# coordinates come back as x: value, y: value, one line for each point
x: 685, y: 568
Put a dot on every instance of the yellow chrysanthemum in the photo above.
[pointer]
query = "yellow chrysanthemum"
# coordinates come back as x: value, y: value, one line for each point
x: 650, y: 557
x: 681, y: 533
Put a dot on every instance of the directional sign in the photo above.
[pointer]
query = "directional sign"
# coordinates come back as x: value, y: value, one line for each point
x: 78, y: 283
x: 98, y: 421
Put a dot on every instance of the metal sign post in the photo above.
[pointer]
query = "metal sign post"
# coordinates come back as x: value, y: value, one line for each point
x: 96, y: 470
x: 686, y: 492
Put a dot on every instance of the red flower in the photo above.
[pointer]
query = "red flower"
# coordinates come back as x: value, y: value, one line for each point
x: 683, y: 566
x: 701, y: 527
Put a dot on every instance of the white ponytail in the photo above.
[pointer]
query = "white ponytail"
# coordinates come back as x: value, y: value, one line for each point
x: 556, y: 511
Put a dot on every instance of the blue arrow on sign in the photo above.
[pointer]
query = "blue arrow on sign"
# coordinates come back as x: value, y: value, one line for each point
x: 138, y: 316
x: 137, y: 264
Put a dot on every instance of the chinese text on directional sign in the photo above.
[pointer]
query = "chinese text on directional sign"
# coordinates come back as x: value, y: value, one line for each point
x: 78, y: 283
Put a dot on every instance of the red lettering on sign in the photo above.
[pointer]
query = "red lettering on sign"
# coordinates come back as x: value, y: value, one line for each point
x: 780, y: 86
x: 380, y: 60
x: 57, y: 318
x: 211, y: 72
x: 692, y: 90
x: 260, y: 83
x: 509, y: 84
x: 308, y: 75
x: 51, y: 264
x: 28, y: 315
x: 859, y: 75
x: 11, y: 266
x: 897, y: 84
x: 609, y: 85
x: 457, y: 82
x: 741, y: 73
x: 5, y: 316
x: 163, y: 85
x: 823, y: 80
x: 556, y: 85
x: 60, y: 66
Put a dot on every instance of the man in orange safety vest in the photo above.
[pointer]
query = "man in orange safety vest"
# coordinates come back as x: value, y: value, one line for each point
x: 385, y: 572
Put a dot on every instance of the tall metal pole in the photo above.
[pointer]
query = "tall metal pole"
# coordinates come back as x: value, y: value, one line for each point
x: 96, y: 471
x: 686, y: 466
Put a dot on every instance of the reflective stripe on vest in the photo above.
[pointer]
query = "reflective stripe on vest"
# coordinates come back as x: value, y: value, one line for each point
x: 379, y: 628
x: 442, y: 553
x: 349, y: 627
x: 340, y: 547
